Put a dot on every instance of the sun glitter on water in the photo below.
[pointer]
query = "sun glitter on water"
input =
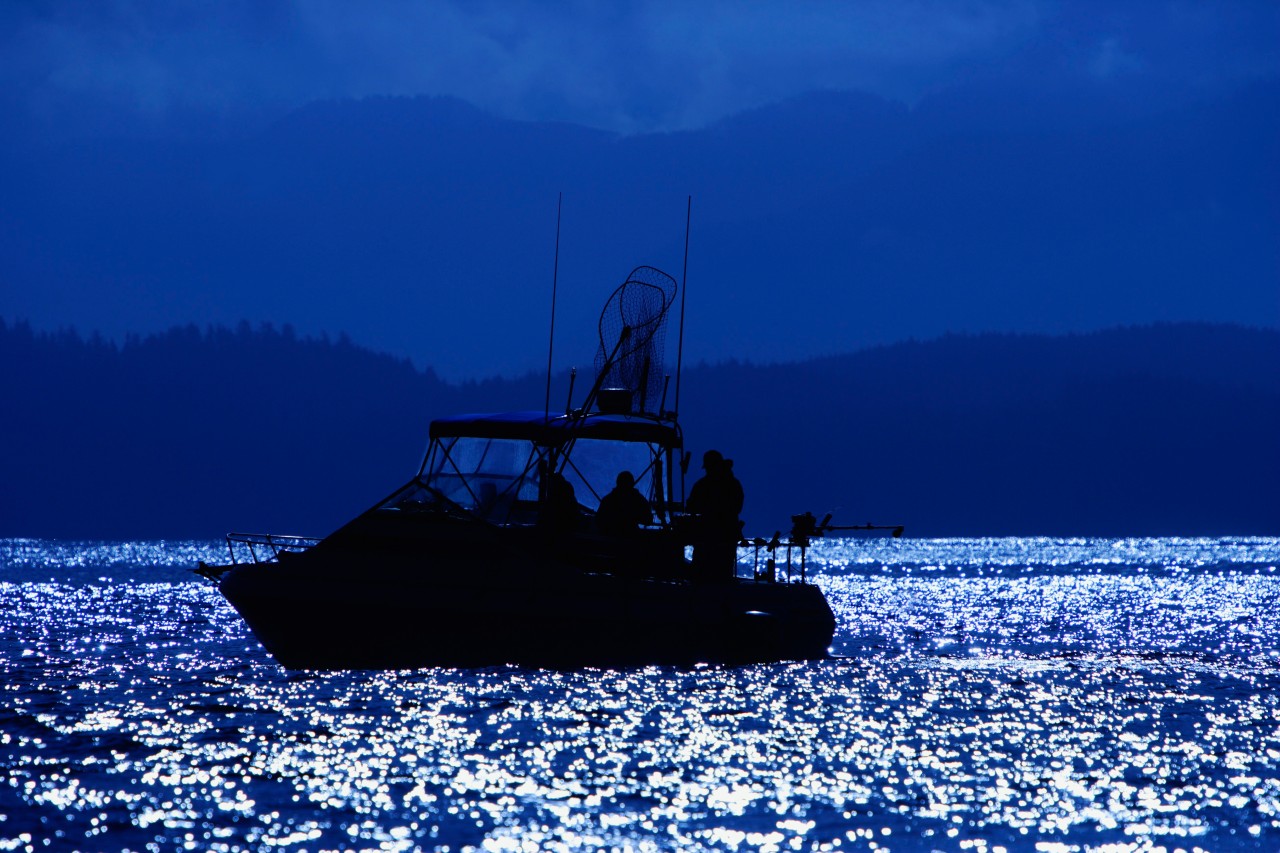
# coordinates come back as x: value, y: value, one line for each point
x: 1047, y: 695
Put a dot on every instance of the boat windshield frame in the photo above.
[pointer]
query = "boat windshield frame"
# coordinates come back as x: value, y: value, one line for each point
x: 561, y: 429
x: 495, y: 467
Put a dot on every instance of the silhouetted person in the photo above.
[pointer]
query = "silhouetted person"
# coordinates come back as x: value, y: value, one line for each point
x: 623, y: 509
x: 487, y: 500
x: 560, y: 509
x: 716, y: 501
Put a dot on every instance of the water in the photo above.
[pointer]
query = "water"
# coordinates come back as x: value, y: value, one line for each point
x: 1009, y: 694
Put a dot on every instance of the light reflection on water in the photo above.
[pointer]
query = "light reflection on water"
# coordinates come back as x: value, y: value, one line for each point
x: 1025, y: 694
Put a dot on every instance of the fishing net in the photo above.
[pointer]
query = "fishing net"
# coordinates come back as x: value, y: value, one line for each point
x: 632, y: 333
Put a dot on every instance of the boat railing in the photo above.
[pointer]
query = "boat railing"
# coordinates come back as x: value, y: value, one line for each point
x: 804, y: 529
x: 768, y: 549
x: 265, y: 547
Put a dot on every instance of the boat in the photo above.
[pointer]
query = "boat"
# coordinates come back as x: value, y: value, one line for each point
x: 495, y: 553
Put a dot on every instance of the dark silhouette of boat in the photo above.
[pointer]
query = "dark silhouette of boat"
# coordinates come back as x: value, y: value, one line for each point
x: 492, y: 553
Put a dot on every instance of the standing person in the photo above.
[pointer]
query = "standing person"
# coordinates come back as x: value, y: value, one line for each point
x: 716, y: 501
x: 623, y: 509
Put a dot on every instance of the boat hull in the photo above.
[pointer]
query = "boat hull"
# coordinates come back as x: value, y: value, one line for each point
x: 318, y: 611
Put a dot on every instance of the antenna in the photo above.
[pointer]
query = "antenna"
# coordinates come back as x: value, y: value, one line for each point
x: 568, y: 403
x: 684, y: 278
x: 551, y: 339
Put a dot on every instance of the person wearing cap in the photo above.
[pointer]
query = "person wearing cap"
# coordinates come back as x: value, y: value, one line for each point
x: 716, y: 501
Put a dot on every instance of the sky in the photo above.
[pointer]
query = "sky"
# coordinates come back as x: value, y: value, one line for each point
x: 629, y: 67
x: 98, y: 237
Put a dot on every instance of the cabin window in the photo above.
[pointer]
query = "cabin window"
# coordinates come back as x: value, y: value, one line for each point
x: 593, y: 467
x: 498, y: 478
x: 485, y: 473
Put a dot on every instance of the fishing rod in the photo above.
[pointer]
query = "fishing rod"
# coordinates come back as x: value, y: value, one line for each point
x: 551, y: 339
x: 684, y: 283
x: 806, y: 526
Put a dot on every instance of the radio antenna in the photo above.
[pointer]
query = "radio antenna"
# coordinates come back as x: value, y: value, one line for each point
x: 684, y: 278
x: 551, y: 339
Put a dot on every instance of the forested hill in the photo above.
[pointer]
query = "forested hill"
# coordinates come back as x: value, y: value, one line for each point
x: 1159, y: 430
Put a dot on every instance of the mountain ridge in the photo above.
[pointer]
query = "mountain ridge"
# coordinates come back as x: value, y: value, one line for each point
x: 851, y: 217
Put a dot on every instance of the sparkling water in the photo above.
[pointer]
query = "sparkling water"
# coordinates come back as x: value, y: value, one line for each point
x: 1007, y: 694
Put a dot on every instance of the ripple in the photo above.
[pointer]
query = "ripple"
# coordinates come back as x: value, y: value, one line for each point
x: 1038, y: 698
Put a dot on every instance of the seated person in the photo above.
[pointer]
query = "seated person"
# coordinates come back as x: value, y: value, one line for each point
x: 623, y: 509
x: 487, y: 500
x: 560, y: 510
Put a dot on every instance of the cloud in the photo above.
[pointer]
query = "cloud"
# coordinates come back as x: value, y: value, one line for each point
x: 627, y: 66
x: 644, y: 66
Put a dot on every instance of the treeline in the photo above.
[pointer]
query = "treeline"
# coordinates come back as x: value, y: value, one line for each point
x: 1158, y: 430
x: 193, y: 432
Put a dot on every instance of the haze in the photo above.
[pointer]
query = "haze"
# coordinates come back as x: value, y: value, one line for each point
x: 861, y: 173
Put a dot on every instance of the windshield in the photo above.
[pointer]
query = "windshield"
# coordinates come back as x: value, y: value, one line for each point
x: 499, y: 478
x: 593, y: 467
x: 478, y: 473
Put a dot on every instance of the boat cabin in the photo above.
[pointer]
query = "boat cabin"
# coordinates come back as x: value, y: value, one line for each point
x: 506, y: 468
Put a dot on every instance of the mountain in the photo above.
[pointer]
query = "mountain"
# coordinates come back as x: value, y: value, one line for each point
x: 827, y: 223
x: 1156, y: 430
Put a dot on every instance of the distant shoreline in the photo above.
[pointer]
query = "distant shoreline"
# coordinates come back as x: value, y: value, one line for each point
x: 1139, y: 431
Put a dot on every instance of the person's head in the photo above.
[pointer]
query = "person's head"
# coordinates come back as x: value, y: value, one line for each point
x: 625, y: 480
x: 712, y: 460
